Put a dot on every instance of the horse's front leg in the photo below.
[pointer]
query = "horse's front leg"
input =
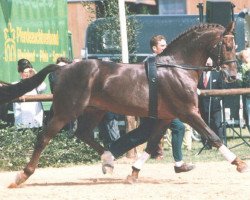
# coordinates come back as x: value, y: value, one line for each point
x: 43, y: 139
x: 199, y: 125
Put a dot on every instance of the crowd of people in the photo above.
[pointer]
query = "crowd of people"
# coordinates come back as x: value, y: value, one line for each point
x: 31, y: 114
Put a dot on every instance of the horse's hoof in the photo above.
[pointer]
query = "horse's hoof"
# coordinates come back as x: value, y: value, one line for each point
x: 241, y: 165
x: 13, y: 185
x: 131, y: 179
x: 20, y: 178
x: 107, y: 162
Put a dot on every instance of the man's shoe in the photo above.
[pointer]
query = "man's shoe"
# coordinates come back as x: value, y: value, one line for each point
x: 184, y: 168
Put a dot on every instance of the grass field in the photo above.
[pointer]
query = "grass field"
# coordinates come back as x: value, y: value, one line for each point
x: 233, y: 140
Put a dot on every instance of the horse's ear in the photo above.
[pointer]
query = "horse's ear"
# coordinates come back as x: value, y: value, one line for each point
x: 230, y: 28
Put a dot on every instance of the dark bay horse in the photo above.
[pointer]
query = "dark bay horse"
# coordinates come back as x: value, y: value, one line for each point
x: 90, y: 88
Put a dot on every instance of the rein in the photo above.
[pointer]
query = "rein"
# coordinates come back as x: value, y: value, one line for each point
x: 187, y: 67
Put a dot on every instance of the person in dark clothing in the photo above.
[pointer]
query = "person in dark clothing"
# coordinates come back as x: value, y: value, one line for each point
x: 62, y: 61
x: 244, y: 59
x: 3, y: 114
x: 3, y: 110
x: 157, y: 44
x: 108, y: 129
x: 210, y: 107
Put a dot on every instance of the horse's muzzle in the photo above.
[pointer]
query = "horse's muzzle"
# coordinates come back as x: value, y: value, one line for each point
x: 229, y: 78
x: 232, y: 79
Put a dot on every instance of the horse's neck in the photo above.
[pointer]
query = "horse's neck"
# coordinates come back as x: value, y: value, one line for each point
x: 193, y: 48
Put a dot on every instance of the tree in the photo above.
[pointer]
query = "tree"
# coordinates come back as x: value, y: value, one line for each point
x: 107, y: 33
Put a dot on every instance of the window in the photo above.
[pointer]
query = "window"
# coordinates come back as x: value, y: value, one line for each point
x: 172, y: 7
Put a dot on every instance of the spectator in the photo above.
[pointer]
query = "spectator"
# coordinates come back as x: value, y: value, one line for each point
x: 108, y: 129
x: 3, y: 112
x: 28, y: 114
x: 210, y: 107
x: 3, y: 109
x: 62, y: 61
x: 244, y: 57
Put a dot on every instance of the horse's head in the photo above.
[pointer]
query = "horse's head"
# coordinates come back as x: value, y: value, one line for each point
x: 223, y: 54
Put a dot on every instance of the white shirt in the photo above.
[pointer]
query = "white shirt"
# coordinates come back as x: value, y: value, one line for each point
x: 29, y: 114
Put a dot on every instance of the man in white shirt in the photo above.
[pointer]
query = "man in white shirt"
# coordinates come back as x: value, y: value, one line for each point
x: 28, y: 114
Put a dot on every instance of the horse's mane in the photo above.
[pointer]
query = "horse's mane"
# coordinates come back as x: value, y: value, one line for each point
x: 200, y: 27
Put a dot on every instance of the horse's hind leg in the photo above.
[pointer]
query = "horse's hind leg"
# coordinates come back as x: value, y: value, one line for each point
x: 85, y: 126
x: 152, y: 144
x: 42, y: 140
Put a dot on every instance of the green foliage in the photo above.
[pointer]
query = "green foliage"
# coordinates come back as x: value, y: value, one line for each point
x: 108, y: 33
x: 111, y: 8
x: 16, y: 148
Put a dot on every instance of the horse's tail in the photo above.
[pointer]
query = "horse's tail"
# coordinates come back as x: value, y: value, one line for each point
x: 12, y: 91
x: 3, y: 83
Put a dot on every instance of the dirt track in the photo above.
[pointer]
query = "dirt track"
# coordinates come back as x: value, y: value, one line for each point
x: 215, y: 181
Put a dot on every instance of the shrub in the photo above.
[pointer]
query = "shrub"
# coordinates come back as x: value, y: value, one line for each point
x: 16, y: 148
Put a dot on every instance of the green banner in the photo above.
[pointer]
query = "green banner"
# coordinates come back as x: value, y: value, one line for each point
x: 36, y: 30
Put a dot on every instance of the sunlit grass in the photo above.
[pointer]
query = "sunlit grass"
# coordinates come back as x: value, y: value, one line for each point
x: 234, y: 143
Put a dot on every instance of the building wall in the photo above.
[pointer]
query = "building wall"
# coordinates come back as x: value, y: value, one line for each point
x: 192, y: 6
x: 78, y: 21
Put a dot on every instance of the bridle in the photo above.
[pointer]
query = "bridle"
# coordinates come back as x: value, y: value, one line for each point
x: 216, y: 57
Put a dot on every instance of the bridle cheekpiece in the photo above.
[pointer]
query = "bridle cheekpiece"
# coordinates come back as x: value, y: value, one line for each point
x: 216, y: 57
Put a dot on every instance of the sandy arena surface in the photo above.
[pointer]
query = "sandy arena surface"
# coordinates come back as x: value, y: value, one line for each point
x: 213, y: 180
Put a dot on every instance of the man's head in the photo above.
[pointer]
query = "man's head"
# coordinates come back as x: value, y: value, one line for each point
x: 23, y: 64
x: 25, y: 68
x: 158, y: 43
x: 245, y: 56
